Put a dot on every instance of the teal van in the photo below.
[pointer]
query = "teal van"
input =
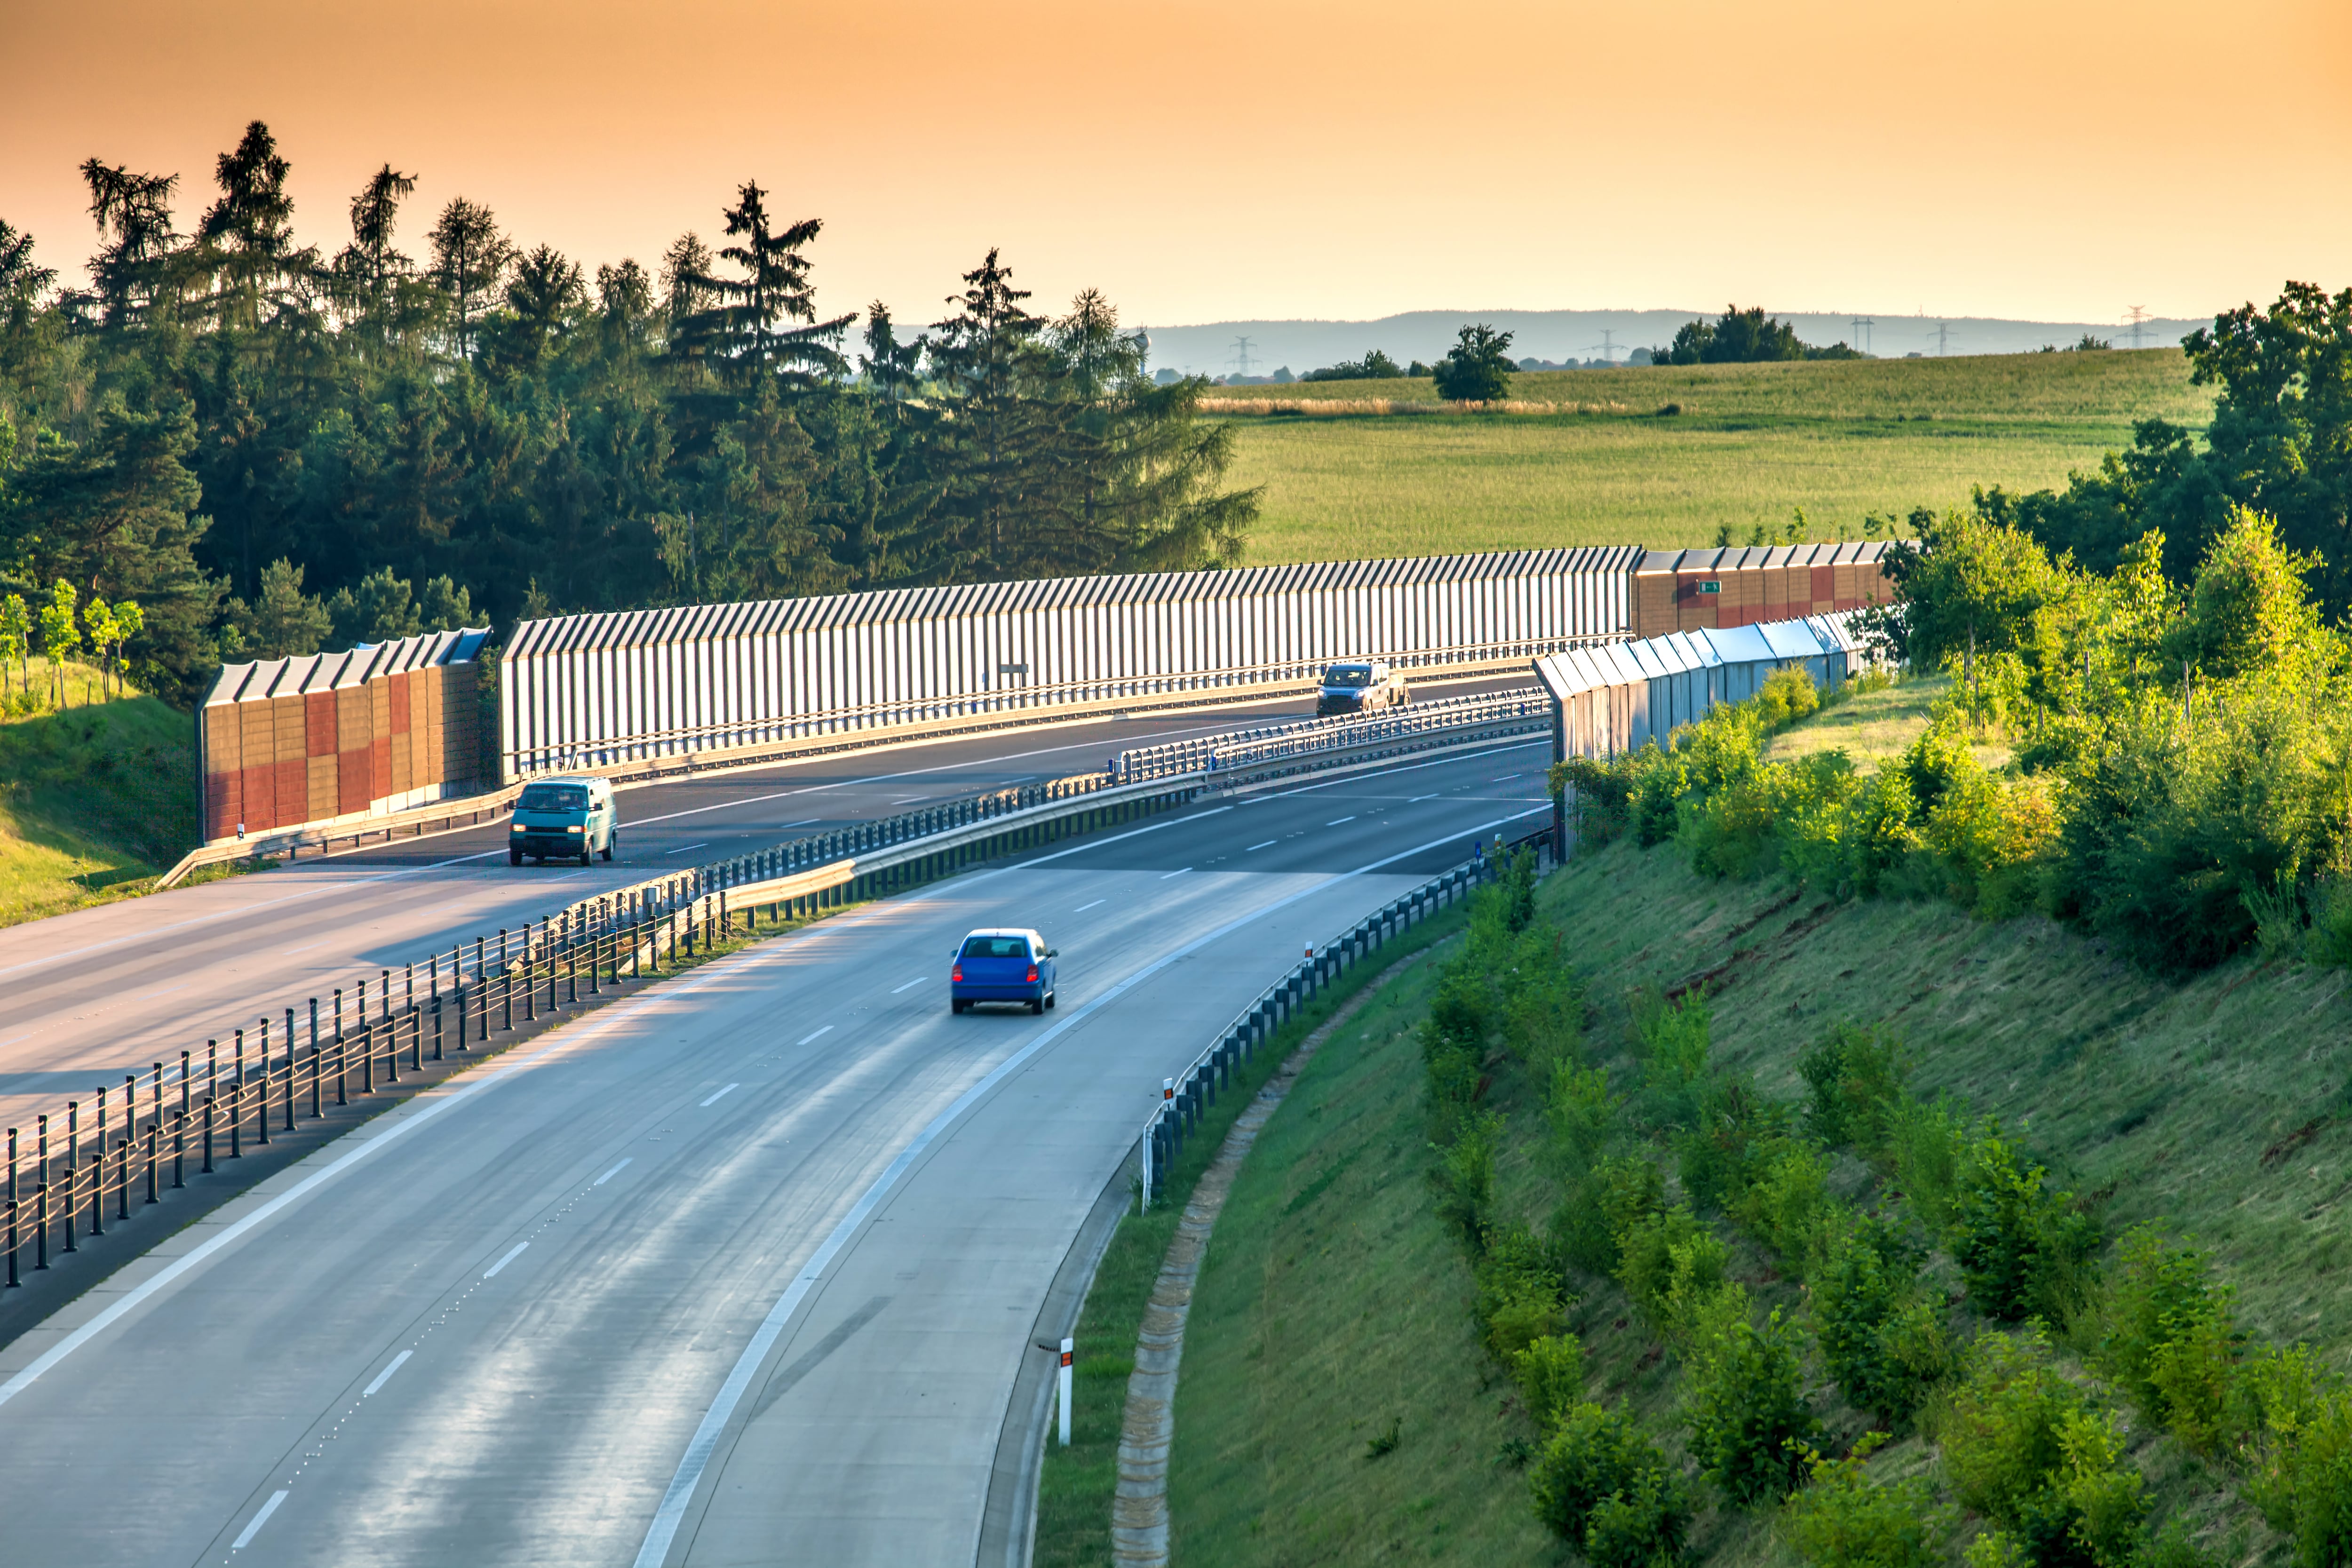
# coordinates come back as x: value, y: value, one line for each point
x: 563, y: 818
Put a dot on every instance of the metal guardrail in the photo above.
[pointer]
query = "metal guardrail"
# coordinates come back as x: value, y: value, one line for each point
x: 280, y: 1070
x: 1185, y: 1099
x: 1241, y: 749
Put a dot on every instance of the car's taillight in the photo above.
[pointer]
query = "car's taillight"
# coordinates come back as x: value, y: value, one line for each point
x: 1032, y: 974
x: 958, y: 975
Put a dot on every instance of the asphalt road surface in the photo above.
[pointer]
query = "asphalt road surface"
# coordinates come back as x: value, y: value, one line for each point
x: 737, y: 1269
x: 88, y: 996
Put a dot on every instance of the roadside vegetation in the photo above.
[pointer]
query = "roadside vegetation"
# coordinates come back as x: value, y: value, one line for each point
x: 94, y: 800
x: 1738, y: 1221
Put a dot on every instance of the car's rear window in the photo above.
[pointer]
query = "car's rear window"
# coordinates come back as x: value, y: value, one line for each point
x: 1348, y: 674
x: 553, y: 798
x: 996, y: 947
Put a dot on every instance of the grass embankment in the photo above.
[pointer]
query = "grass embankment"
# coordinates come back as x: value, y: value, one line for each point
x: 2218, y: 1108
x: 1332, y: 1303
x: 1750, y: 443
x: 94, y: 802
x: 1075, y: 1494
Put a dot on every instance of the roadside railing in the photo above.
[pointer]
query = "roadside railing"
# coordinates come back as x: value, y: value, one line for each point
x: 93, y: 1162
x: 1498, y: 712
x: 1185, y: 1099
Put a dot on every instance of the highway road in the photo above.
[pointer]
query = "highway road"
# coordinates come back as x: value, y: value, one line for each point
x: 737, y: 1269
x: 88, y: 996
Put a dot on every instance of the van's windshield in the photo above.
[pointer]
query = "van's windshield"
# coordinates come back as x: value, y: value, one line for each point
x: 996, y: 947
x: 1348, y: 674
x: 553, y: 798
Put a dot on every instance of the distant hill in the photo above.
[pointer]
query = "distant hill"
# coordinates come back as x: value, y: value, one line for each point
x: 1561, y: 336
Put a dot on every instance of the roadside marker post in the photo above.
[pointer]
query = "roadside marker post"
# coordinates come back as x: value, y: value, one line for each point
x: 1062, y: 1385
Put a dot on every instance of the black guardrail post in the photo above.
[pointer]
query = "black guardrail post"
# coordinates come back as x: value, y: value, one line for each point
x: 261, y: 1126
x: 41, y: 1195
x: 236, y: 1102
x: 179, y: 1148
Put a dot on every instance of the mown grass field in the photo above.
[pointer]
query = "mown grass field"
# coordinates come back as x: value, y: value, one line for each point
x: 2220, y: 1108
x: 1751, y: 444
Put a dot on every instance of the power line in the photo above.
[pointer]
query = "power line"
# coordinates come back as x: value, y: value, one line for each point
x: 1607, y: 345
x: 1860, y: 326
x: 2136, y: 316
x: 1241, y: 356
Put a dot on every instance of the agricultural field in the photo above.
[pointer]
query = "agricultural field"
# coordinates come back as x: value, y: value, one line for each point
x: 1750, y: 445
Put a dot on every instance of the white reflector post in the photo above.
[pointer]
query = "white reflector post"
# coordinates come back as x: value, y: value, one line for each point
x: 1062, y: 1387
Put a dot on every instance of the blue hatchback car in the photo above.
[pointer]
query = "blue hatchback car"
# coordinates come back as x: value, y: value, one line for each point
x: 1007, y: 965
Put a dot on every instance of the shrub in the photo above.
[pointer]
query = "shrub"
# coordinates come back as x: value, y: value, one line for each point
x: 2020, y: 1444
x: 1551, y: 1375
x: 1880, y: 1339
x: 1672, y: 1037
x: 2279, y: 1397
x: 1599, y: 1470
x: 1854, y: 1079
x: 1923, y: 1150
x: 1788, y: 1206
x: 1739, y: 1133
x: 2024, y: 1249
x: 1602, y: 1207
x: 1669, y: 1264
x: 2329, y: 940
x: 2001, y: 1436
x: 2297, y: 1453
x: 1787, y: 695
x: 2170, y: 1338
x: 1842, y: 1518
x: 1465, y: 1178
x: 1585, y: 1117
x: 1642, y: 1526
x: 1521, y: 1296
x: 1744, y: 1402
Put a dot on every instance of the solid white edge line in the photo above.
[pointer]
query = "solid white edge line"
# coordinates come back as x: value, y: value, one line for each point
x: 610, y: 1173
x: 804, y: 1039
x: 720, y: 1096
x: 385, y: 1375
x: 257, y: 1521
x: 494, y: 1072
x: 512, y: 1253
x: 705, y: 1442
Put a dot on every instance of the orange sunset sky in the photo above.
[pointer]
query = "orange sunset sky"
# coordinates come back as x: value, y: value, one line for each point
x: 1277, y: 158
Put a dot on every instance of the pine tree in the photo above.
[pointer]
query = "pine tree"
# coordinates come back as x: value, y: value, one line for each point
x: 737, y: 324
x: 247, y: 237
x: 133, y: 270
x: 470, y: 258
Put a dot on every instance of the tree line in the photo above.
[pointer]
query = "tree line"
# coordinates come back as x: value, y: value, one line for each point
x: 273, y: 450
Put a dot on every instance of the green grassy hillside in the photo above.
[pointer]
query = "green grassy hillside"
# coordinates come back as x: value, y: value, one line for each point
x: 1750, y: 445
x: 2219, y: 1108
x: 95, y: 801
